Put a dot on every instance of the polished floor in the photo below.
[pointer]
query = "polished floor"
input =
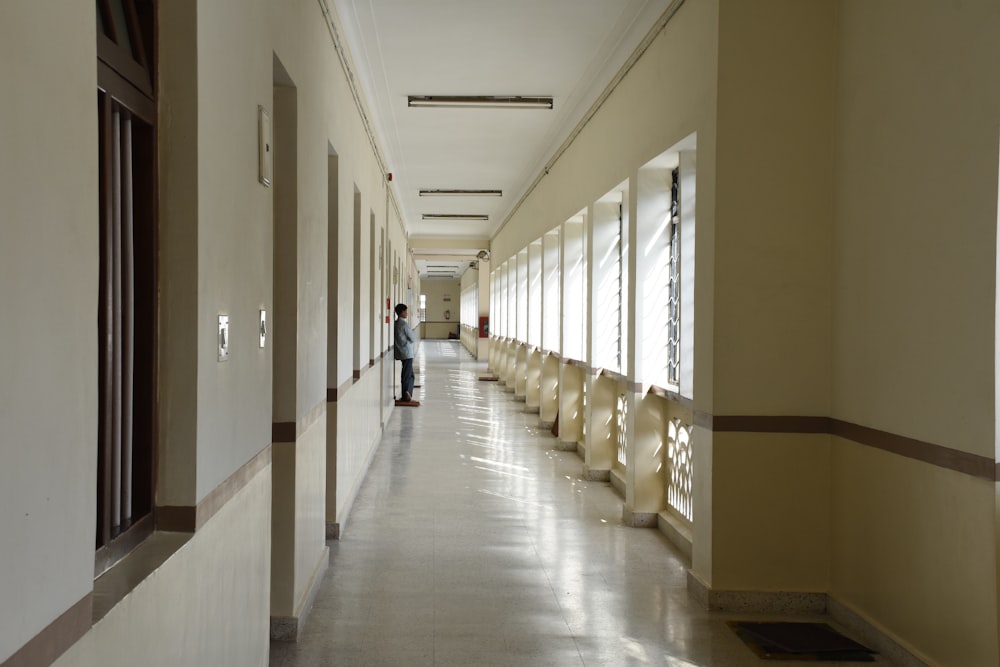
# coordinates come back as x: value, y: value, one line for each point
x: 474, y: 542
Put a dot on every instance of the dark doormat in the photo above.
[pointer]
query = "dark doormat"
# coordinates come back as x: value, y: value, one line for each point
x: 800, y: 641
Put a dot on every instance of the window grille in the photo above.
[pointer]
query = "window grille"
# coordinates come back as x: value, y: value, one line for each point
x: 619, y: 298
x: 608, y: 309
x: 673, y: 287
x: 126, y: 317
x: 680, y: 476
x: 621, y: 429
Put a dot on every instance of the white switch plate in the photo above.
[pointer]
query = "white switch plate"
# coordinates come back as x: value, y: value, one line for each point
x: 263, y: 328
x: 264, y: 148
x: 223, y: 339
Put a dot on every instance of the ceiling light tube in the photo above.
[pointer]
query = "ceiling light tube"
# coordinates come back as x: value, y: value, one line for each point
x: 461, y: 193
x: 479, y: 101
x: 454, y: 216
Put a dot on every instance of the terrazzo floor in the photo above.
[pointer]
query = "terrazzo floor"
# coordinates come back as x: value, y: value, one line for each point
x: 473, y: 541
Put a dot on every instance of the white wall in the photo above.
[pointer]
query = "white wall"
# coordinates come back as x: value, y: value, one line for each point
x: 216, y: 66
x: 193, y: 610
x: 48, y: 294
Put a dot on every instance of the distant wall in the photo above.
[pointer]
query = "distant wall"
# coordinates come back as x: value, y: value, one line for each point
x: 444, y: 307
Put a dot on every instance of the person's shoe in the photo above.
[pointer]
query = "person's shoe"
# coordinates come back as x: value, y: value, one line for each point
x: 406, y: 397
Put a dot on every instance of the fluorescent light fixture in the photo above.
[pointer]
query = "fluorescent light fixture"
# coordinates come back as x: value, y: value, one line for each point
x: 461, y: 193
x: 454, y: 216
x: 479, y: 101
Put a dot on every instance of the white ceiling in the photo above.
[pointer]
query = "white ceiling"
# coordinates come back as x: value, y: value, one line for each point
x: 565, y: 49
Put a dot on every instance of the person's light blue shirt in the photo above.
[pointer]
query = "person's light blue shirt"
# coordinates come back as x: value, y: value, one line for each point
x: 404, y: 339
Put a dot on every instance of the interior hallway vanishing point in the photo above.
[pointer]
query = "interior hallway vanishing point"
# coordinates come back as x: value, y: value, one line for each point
x: 474, y: 542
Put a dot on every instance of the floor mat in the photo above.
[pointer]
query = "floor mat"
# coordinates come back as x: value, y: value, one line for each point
x: 800, y: 641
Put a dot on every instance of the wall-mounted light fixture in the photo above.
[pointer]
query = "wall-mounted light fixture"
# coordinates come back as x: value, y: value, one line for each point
x: 479, y: 101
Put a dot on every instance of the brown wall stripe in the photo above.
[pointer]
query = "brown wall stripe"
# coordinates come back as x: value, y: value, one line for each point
x: 176, y: 518
x: 770, y: 424
x: 186, y: 519
x: 944, y: 457
x: 45, y: 647
x: 334, y: 394
x: 967, y: 463
x: 283, y: 432
x: 983, y: 467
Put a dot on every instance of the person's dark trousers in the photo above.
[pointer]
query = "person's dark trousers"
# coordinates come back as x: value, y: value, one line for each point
x: 407, y: 378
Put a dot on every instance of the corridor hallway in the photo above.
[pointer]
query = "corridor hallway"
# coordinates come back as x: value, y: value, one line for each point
x: 474, y: 542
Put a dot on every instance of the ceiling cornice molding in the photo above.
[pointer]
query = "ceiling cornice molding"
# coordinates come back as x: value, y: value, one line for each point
x: 657, y: 28
x: 347, y: 64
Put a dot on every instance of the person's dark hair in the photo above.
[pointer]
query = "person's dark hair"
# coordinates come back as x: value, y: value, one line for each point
x: 400, y: 307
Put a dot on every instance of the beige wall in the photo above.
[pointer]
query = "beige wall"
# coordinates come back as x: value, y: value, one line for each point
x: 435, y: 325
x: 913, y: 551
x: 773, y: 215
x: 916, y: 219
x: 914, y: 327
x: 846, y: 268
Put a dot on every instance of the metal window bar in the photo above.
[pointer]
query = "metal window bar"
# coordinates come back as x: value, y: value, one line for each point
x: 608, y: 308
x: 117, y: 326
x: 620, y: 296
x: 673, y: 287
x: 126, y: 316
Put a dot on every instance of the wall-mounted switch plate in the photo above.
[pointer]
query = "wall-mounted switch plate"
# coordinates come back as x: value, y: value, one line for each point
x: 265, y: 153
x: 223, y: 340
x: 263, y: 328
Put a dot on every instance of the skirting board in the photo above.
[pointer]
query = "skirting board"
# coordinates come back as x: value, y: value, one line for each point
x: 756, y: 602
x: 288, y: 628
x: 333, y: 530
x: 564, y: 446
x: 634, y: 519
x: 592, y: 475
x: 805, y: 603
x: 677, y: 534
x: 871, y: 635
x: 617, y: 482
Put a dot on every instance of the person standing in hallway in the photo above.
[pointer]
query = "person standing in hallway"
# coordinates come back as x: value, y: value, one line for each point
x: 403, y: 349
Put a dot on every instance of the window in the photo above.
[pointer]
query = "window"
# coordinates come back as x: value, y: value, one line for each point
x: 673, y: 285
x: 665, y: 234
x: 610, y: 245
x: 550, y: 292
x: 533, y: 297
x: 126, y: 317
